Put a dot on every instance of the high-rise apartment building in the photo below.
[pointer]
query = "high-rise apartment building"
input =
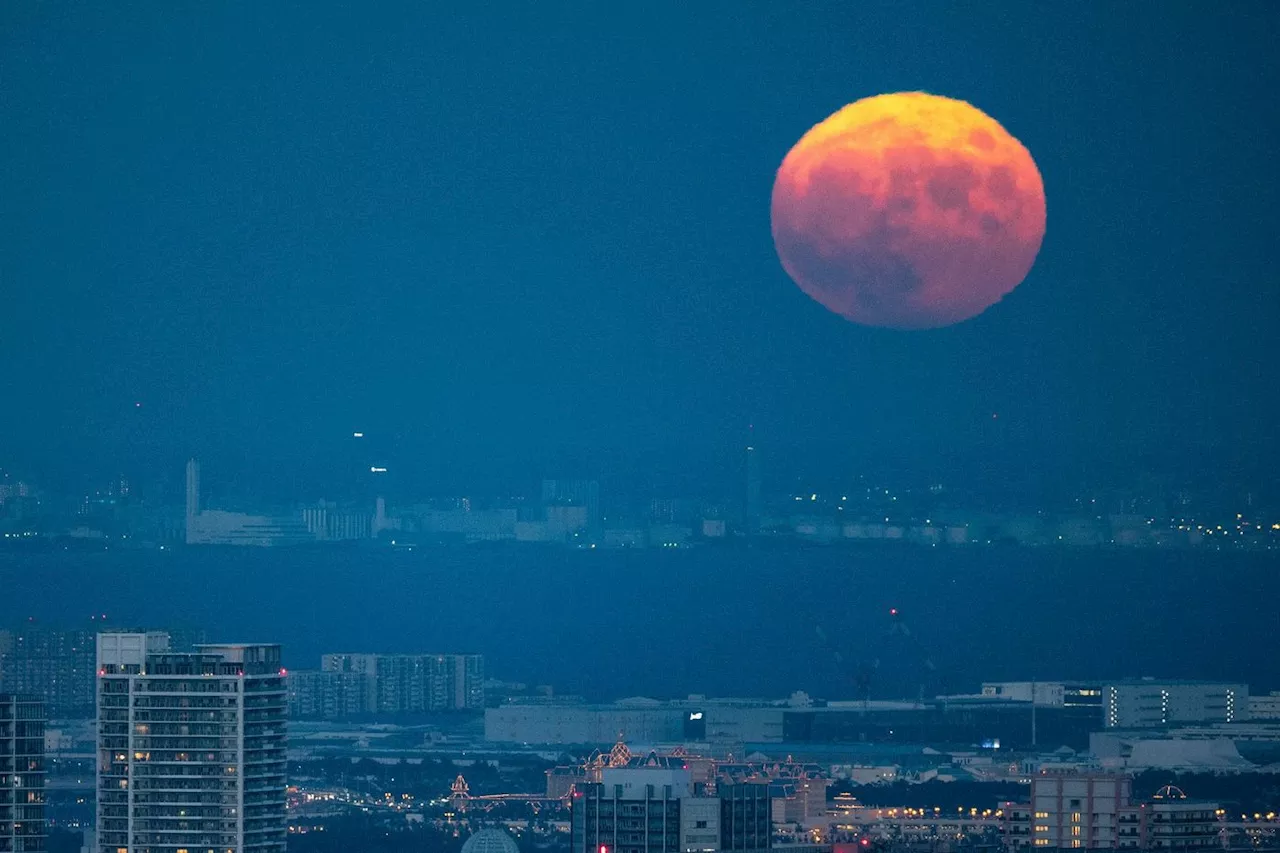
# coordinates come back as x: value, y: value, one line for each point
x: 60, y: 666
x: 22, y: 774
x: 316, y: 694
x: 191, y: 747
x: 400, y: 684
x: 57, y: 666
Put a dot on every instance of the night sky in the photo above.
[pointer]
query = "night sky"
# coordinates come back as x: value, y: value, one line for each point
x: 539, y: 235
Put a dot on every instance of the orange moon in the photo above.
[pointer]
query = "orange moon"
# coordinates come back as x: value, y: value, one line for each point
x: 910, y: 211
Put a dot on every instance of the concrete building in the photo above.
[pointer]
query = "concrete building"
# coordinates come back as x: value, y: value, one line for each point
x: 57, y: 666
x: 573, y: 493
x: 1170, y: 821
x: 327, y: 522
x: 419, y: 683
x: 727, y: 724
x: 22, y: 774
x: 191, y: 747
x: 1092, y: 811
x: 1265, y: 707
x: 316, y: 694
x: 1148, y: 702
x: 1053, y: 694
x: 660, y: 810
x: 1078, y: 810
x: 466, y: 524
x: 1217, y: 748
x: 220, y: 527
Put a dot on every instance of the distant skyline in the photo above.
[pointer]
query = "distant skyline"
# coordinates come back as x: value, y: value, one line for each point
x: 537, y: 239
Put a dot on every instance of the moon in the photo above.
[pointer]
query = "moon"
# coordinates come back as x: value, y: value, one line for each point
x: 909, y: 211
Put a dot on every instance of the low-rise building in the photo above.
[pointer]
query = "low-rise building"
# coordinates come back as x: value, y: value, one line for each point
x: 1097, y: 811
x: 1265, y: 707
x: 1149, y: 702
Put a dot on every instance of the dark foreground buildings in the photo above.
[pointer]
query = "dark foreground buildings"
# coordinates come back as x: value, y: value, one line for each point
x: 659, y: 810
x: 22, y: 773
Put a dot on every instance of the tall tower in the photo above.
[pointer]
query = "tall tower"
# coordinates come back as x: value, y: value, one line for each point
x: 22, y: 773
x: 193, y: 493
x: 191, y: 747
x: 752, y: 514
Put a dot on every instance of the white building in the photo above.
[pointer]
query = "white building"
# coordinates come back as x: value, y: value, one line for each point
x: 191, y: 747
x: 1147, y: 702
x: 1055, y: 694
x: 219, y: 527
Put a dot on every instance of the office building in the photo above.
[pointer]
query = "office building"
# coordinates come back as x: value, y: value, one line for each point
x: 191, y: 747
x: 1147, y: 702
x: 57, y: 666
x: 658, y: 809
x: 22, y: 774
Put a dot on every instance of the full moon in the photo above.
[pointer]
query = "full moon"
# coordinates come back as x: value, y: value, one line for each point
x: 911, y: 211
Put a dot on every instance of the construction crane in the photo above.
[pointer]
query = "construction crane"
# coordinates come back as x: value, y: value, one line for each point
x: 864, y: 673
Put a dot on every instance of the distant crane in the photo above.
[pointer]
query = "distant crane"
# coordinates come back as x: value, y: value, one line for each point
x: 865, y: 672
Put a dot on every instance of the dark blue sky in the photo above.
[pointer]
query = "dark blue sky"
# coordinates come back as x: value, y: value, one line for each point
x: 540, y: 233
